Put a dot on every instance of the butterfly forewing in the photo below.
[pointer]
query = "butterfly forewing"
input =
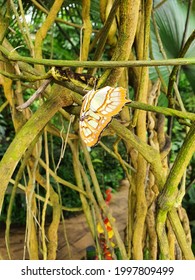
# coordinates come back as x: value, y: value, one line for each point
x: 97, y: 110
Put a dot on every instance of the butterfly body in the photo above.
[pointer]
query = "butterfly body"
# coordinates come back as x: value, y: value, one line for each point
x: 98, y: 108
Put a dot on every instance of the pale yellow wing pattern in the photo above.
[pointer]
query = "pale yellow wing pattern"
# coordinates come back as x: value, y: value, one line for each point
x: 97, y: 110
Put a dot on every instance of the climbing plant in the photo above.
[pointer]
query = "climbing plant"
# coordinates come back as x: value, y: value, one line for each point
x: 51, y: 55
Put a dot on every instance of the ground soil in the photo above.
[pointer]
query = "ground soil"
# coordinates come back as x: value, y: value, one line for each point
x: 78, y: 235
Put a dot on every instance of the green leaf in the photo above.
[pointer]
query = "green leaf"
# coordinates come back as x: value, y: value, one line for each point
x: 170, y: 18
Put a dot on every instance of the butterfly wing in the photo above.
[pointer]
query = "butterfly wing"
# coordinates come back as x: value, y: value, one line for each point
x: 97, y: 110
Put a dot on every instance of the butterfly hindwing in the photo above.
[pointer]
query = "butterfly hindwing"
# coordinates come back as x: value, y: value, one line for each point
x: 97, y: 110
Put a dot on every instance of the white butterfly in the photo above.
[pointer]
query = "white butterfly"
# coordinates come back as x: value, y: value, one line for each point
x: 98, y: 108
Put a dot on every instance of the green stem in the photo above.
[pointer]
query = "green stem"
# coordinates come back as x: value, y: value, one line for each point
x: 105, y: 30
x: 168, y: 196
x: 181, y: 236
x: 150, y: 154
x: 29, y: 78
x: 103, y: 204
x: 174, y: 72
x: 28, y: 133
x: 102, y: 64
x: 162, y: 236
x: 163, y: 110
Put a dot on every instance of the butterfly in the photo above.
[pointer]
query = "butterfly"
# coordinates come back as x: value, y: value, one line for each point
x: 98, y: 108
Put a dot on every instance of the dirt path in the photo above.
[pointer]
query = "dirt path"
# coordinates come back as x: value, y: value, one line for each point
x: 77, y: 231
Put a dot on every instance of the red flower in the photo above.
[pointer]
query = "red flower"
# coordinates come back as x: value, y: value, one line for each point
x: 108, y: 196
